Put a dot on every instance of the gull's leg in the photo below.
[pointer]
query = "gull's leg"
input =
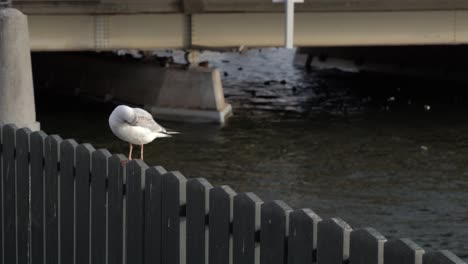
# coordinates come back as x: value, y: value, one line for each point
x: 124, y: 162
x: 141, y: 152
x: 130, y: 153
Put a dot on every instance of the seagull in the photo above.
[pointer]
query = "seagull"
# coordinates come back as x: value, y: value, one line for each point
x: 136, y: 126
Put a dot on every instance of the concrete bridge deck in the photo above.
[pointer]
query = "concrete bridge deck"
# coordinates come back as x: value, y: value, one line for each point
x: 69, y: 25
x: 209, y: 6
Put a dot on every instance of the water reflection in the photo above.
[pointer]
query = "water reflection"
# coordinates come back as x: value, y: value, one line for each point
x: 333, y: 143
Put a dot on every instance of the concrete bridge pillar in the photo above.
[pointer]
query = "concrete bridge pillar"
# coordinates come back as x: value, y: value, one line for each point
x: 302, y: 58
x: 16, y: 84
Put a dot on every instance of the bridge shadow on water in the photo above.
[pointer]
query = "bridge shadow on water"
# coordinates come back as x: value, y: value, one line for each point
x: 376, y: 150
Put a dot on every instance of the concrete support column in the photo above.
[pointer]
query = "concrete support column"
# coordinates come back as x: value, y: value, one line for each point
x: 302, y: 58
x: 16, y: 84
x: 178, y: 93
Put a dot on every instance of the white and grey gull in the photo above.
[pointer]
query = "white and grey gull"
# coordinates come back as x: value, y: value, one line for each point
x: 136, y: 126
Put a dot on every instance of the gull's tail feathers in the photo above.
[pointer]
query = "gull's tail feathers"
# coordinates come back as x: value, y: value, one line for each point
x: 166, y: 133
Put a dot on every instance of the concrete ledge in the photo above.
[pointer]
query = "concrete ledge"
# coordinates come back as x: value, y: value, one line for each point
x: 174, y: 93
x: 191, y: 115
x: 36, y: 126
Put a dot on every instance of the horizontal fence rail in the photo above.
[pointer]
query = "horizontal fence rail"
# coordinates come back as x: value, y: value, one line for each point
x: 64, y: 202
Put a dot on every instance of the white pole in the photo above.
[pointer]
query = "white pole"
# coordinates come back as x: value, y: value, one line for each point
x: 289, y: 25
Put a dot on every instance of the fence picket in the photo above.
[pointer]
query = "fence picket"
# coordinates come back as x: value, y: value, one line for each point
x: 402, y: 251
x: 274, y: 230
x: 134, y: 211
x: 197, y: 210
x: 220, y: 218
x: 52, y: 159
x: 302, y: 243
x: 333, y: 241
x: 82, y: 212
x: 173, y: 198
x: 366, y: 246
x: 153, y: 213
x: 22, y: 194
x: 9, y: 195
x: 246, y: 223
x: 98, y: 206
x: 66, y: 200
x: 115, y: 209
x: 1, y: 192
x: 441, y: 257
x: 37, y: 249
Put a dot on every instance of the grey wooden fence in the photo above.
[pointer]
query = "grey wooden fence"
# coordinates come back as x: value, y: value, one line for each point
x: 64, y: 202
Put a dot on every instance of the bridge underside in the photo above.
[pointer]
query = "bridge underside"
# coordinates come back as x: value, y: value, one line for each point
x: 226, y: 6
x: 226, y: 30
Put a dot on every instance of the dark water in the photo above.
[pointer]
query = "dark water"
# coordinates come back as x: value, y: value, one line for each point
x: 379, y: 151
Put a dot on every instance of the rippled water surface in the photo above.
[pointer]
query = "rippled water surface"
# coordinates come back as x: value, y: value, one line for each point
x: 378, y: 151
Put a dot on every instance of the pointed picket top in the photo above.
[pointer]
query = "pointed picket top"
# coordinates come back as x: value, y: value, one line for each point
x: 1, y: 141
x: 23, y: 131
x: 116, y: 174
x: 201, y: 185
x: 135, y: 186
x: 136, y: 168
x: 102, y: 153
x: 302, y: 236
x: 333, y: 238
x: 196, y: 212
x: 274, y: 231
x: 366, y: 246
x: 37, y: 140
x: 402, y: 251
x: 246, y: 228
x: 157, y: 169
x: 442, y: 257
x: 253, y: 199
x: 66, y: 198
x: 68, y: 145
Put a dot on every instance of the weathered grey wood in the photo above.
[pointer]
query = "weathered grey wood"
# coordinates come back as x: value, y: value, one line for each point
x: 441, y: 257
x: 134, y: 211
x: 115, y: 210
x: 173, y: 197
x: 274, y: 230
x: 22, y: 194
x: 1, y: 192
x: 82, y: 181
x: 51, y: 150
x: 220, y: 218
x: 302, y: 241
x: 156, y: 203
x: 333, y: 241
x: 197, y: 210
x: 366, y: 246
x: 402, y: 251
x: 153, y: 208
x: 246, y: 222
x: 9, y: 195
x: 98, y: 205
x: 66, y: 201
x: 37, y: 197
